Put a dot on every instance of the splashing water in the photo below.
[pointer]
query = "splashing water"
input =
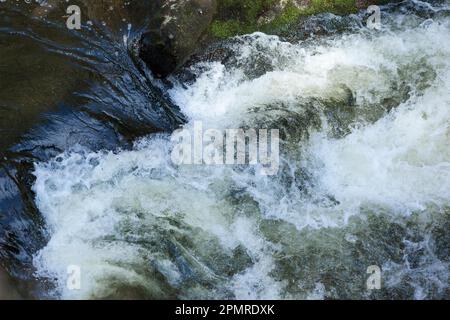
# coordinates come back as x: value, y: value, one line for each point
x: 364, y: 179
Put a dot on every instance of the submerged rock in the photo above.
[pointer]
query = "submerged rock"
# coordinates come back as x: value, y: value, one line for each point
x: 7, y: 291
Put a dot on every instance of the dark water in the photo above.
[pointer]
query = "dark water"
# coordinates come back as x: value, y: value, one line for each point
x: 364, y: 178
x: 60, y: 88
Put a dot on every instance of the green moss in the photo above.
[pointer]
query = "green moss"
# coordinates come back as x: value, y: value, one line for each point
x: 289, y: 15
x: 226, y: 29
x: 292, y: 13
x: 246, y: 11
x: 334, y: 6
x: 236, y: 17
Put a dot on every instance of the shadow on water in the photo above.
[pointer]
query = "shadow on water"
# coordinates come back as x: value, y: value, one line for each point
x: 60, y: 88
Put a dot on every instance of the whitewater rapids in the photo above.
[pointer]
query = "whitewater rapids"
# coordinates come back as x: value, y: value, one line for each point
x: 364, y: 178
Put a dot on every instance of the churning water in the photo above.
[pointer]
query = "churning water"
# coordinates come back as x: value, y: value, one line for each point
x: 364, y: 178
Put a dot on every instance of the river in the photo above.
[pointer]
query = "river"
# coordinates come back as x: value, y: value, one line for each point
x: 87, y: 177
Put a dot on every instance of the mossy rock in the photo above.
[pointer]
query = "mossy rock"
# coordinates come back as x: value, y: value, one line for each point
x: 177, y: 30
x: 237, y: 17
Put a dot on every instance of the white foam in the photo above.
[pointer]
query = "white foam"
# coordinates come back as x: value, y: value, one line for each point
x: 95, y: 204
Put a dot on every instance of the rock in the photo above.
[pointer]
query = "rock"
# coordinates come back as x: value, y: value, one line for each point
x: 237, y: 17
x: 114, y: 15
x: 178, y: 29
x: 175, y: 32
x: 7, y: 289
x: 175, y: 29
x: 364, y: 4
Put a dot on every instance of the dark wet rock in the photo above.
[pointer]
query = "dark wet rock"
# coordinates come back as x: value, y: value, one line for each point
x: 110, y: 13
x: 179, y: 29
x: 362, y: 4
x: 7, y: 290
x: 21, y: 232
x: 174, y: 33
x: 70, y: 90
x: 324, y: 24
